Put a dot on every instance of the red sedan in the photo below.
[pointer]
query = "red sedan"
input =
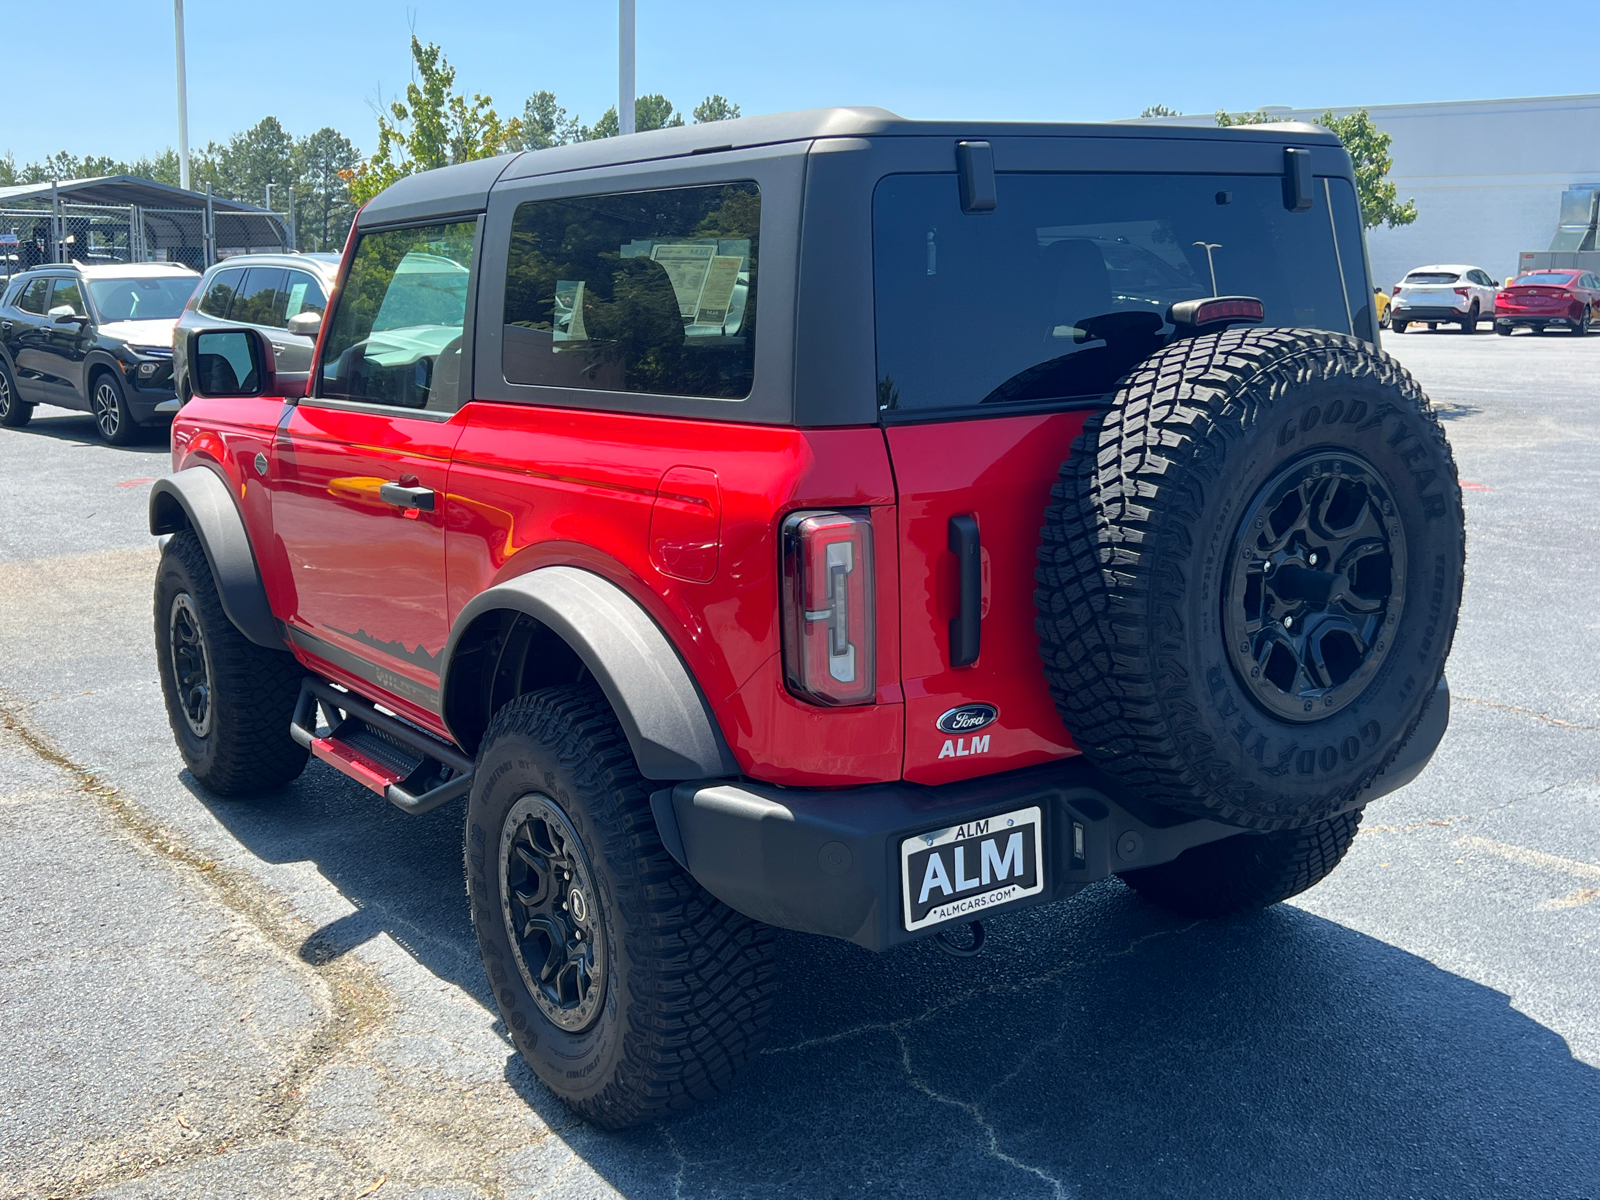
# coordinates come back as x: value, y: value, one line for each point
x: 1542, y: 299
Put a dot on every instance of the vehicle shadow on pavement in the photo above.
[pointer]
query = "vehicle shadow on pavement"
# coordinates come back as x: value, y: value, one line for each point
x: 1097, y: 1048
x: 65, y: 425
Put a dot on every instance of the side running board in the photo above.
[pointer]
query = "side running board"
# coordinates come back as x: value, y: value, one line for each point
x: 411, y: 769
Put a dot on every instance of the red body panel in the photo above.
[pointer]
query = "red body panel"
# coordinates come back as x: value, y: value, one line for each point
x: 1555, y: 301
x: 630, y: 498
x: 999, y: 470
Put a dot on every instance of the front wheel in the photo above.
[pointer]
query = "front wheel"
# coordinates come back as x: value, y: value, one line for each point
x: 1246, y: 872
x: 626, y: 987
x: 110, y: 411
x: 229, y: 701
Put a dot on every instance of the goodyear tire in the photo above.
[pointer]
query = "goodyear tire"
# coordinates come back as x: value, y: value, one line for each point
x: 1246, y: 872
x: 229, y: 701
x: 1250, y: 573
x: 626, y: 987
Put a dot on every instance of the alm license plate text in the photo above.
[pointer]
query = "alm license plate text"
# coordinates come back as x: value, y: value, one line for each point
x: 959, y: 872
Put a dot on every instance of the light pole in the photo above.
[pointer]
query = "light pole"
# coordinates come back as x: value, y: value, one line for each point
x: 183, y: 100
x: 624, y: 65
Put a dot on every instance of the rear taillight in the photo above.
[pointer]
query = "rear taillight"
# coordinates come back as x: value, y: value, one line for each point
x: 1396, y: 291
x: 829, y: 647
x: 1461, y: 291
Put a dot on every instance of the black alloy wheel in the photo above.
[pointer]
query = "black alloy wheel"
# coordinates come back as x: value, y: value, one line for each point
x: 1469, y: 323
x: 1581, y: 325
x: 1317, y: 586
x: 191, y: 664
x: 552, y: 913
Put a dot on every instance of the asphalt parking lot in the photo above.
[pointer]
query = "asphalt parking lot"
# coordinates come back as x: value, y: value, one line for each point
x: 281, y: 997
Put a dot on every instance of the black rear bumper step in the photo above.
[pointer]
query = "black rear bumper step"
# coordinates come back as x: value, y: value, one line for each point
x: 413, y: 770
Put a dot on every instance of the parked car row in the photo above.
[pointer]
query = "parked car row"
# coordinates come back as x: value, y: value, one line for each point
x: 1453, y: 294
x: 98, y: 337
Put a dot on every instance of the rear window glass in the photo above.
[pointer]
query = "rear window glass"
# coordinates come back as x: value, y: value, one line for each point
x: 1431, y: 277
x: 219, y: 295
x: 640, y: 292
x: 151, y: 298
x: 1545, y: 279
x: 1066, y: 284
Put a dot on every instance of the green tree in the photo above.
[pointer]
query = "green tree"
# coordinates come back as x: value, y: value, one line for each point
x: 1161, y: 110
x: 715, y: 108
x: 243, y: 166
x: 434, y: 127
x: 654, y: 111
x: 323, y: 211
x: 1368, y: 147
x: 545, y: 123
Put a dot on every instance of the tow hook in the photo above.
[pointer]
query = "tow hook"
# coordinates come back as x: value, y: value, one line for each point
x: 969, y: 951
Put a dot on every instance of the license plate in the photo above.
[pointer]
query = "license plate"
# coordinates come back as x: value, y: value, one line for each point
x: 956, y: 873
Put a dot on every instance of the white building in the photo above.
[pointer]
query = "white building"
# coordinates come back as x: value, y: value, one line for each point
x: 1487, y: 176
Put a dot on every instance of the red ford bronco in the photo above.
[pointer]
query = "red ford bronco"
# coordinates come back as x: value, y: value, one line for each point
x: 823, y: 521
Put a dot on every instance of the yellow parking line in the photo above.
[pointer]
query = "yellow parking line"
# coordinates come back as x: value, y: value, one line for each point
x: 1533, y: 858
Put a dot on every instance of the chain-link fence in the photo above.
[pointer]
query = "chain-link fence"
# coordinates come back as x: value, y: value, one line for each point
x: 105, y: 233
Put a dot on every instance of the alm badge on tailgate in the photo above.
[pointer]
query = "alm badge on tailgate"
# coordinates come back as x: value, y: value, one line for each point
x: 959, y: 872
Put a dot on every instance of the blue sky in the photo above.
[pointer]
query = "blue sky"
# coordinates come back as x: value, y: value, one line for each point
x: 323, y: 63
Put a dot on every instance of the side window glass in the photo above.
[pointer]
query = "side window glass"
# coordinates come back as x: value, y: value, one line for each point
x: 396, y: 335
x: 220, y: 294
x: 641, y: 292
x: 305, y: 295
x: 262, y: 297
x: 33, y: 296
x: 69, y: 293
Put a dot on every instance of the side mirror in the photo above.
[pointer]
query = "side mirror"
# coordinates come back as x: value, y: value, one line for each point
x: 305, y: 324
x: 230, y: 363
x: 62, y: 314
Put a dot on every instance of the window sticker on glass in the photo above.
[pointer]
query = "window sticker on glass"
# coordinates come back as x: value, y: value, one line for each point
x: 639, y: 292
x: 568, y: 325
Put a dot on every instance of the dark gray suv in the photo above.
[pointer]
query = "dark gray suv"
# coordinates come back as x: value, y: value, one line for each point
x: 283, y: 295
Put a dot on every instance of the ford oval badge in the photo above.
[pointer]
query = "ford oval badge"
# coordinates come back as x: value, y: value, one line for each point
x: 968, y: 718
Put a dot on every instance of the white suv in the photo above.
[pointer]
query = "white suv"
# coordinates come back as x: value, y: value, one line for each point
x: 1447, y: 292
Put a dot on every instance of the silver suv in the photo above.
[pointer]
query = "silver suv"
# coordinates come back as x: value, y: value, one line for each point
x: 282, y: 295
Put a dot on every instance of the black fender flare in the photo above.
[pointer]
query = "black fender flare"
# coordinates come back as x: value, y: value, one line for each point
x: 199, y: 498
x: 668, y: 724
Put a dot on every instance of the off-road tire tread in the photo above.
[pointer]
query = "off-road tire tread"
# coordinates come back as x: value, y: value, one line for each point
x: 1107, y: 596
x: 1247, y: 872
x: 703, y: 980
x: 254, y: 691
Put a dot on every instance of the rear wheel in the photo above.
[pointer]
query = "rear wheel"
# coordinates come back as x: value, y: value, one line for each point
x: 1250, y: 871
x: 1250, y: 574
x: 1397, y: 326
x: 627, y: 988
x: 110, y: 410
x: 1582, y: 327
x: 13, y: 412
x: 1504, y: 330
x: 1469, y: 323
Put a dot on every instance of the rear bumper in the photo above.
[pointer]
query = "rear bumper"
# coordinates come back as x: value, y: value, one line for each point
x: 829, y: 862
x: 1429, y: 313
x: 1525, y: 318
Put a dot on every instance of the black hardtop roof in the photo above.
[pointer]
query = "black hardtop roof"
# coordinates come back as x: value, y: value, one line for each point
x: 464, y: 188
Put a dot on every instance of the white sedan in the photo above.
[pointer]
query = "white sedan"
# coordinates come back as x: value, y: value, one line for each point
x: 1448, y: 292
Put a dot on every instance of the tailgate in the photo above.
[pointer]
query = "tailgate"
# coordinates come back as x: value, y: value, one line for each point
x: 998, y: 471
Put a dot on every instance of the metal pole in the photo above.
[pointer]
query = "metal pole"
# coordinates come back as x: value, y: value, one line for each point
x: 183, y: 100
x: 625, y: 66
x: 210, y: 235
x: 294, y: 240
x: 56, y: 232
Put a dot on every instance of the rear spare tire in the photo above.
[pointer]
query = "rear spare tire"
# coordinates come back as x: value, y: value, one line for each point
x: 1250, y: 573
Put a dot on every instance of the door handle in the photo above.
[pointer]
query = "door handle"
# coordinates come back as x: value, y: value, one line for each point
x: 967, y: 627
x: 406, y: 497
